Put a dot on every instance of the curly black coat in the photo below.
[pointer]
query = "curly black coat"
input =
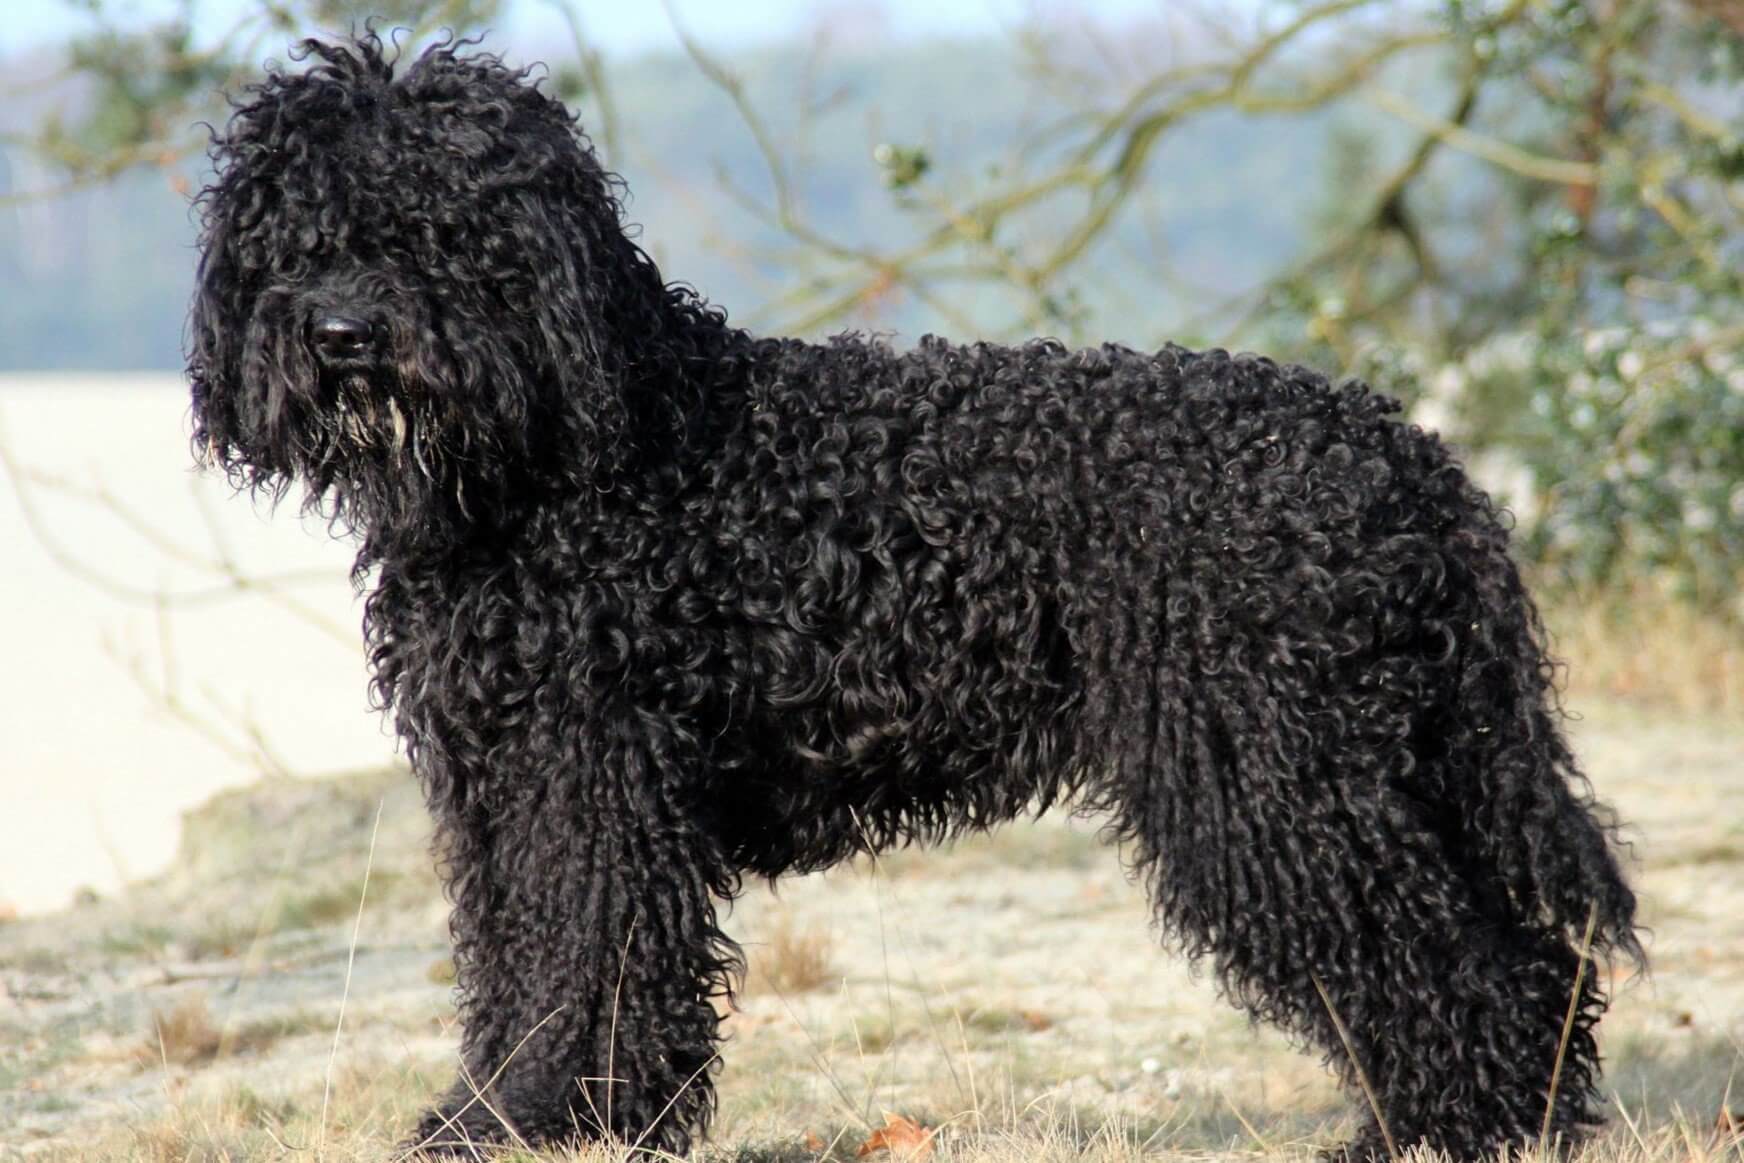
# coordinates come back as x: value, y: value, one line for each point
x: 659, y: 604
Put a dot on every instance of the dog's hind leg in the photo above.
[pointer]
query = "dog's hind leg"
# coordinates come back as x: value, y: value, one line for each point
x: 587, y: 952
x: 1301, y: 847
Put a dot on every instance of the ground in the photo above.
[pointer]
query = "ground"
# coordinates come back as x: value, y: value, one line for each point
x: 1008, y: 991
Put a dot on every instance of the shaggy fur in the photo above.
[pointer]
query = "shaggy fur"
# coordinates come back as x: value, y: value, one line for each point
x: 660, y: 604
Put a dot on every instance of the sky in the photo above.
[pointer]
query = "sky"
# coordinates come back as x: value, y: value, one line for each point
x: 637, y: 26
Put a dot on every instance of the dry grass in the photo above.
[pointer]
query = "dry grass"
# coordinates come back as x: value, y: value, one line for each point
x: 241, y: 1125
x: 184, y: 1034
x: 1647, y: 648
x: 238, y: 1124
x: 374, y: 1099
x: 793, y: 961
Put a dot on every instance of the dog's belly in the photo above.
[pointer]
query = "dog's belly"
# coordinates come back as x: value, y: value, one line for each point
x: 958, y: 722
x: 791, y: 817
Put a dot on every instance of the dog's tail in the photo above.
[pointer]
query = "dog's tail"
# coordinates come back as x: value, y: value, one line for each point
x: 1528, y: 808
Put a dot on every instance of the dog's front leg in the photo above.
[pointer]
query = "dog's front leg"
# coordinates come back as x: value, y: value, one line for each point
x: 587, y: 953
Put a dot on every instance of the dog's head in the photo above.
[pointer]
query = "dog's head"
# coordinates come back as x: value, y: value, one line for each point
x: 415, y: 289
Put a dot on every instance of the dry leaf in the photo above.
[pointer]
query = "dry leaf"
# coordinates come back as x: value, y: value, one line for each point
x: 814, y: 1143
x: 903, y: 1138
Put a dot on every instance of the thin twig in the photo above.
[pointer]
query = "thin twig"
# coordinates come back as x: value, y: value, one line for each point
x: 1574, y: 998
x: 350, y: 964
x: 594, y: 74
x: 734, y: 87
x: 448, y: 1121
x: 1362, y: 1076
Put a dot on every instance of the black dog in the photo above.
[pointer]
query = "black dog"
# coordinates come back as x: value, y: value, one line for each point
x: 659, y: 604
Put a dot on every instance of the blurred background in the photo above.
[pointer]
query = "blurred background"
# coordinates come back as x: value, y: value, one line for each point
x: 1525, y: 218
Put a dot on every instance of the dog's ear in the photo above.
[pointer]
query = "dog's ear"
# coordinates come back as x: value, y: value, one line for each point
x: 581, y: 276
x: 231, y: 426
x: 589, y: 303
x: 575, y: 298
x: 212, y: 349
x: 244, y: 433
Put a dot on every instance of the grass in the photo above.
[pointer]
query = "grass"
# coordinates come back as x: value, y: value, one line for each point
x: 186, y: 1034
x: 792, y: 960
x: 997, y: 1020
x: 33, y: 960
x: 138, y: 940
x: 240, y: 1125
x: 1641, y: 646
x: 374, y: 1099
x: 223, y: 938
x: 1722, y: 853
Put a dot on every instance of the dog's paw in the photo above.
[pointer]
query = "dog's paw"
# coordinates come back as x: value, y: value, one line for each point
x: 1367, y: 1147
x: 470, y: 1132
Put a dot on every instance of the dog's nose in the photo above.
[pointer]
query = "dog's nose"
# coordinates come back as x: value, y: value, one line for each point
x: 340, y: 337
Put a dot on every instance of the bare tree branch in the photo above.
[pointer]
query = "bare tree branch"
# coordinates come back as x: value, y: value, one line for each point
x: 1501, y: 153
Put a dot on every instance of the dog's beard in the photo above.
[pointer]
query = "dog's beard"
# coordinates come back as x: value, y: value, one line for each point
x: 371, y: 424
x: 375, y: 448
